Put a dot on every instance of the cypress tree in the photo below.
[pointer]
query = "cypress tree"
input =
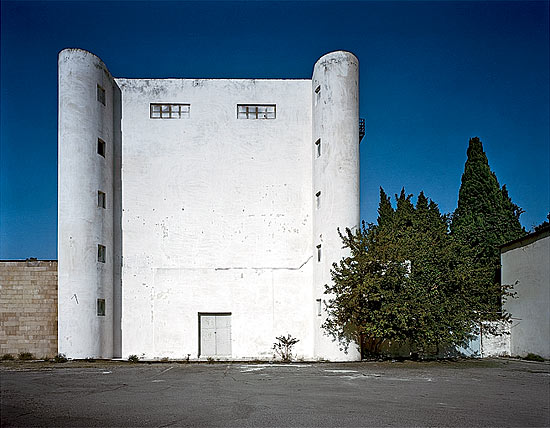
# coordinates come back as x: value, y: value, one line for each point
x: 485, y: 218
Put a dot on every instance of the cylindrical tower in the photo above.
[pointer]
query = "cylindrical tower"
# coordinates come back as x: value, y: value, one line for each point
x: 85, y: 205
x: 335, y: 146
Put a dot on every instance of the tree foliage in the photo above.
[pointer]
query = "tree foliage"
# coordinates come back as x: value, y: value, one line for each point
x: 485, y: 218
x: 405, y: 282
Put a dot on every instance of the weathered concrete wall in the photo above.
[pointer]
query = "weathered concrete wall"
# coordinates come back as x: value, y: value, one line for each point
x: 28, y: 307
x: 335, y: 99
x: 83, y: 225
x: 528, y: 262
x: 216, y: 216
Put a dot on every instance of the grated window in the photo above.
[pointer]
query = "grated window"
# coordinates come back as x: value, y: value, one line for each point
x: 256, y: 111
x: 169, y: 111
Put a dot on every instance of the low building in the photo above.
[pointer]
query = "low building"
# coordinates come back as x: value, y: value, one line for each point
x: 526, y: 265
x: 28, y: 307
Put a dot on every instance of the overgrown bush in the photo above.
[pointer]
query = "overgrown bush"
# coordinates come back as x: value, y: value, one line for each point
x: 7, y: 357
x: 283, y: 347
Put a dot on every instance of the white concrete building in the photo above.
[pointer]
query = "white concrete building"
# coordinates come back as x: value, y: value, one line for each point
x: 526, y: 263
x: 198, y: 217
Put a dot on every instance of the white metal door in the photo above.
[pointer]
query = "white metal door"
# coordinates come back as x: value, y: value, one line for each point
x: 215, y: 331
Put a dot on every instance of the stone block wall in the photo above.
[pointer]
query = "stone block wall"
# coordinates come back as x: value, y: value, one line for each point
x: 28, y: 307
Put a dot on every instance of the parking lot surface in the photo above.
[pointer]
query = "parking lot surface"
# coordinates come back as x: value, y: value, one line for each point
x: 497, y: 393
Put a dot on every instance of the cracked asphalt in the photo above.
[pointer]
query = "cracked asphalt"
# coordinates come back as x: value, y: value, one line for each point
x: 496, y: 393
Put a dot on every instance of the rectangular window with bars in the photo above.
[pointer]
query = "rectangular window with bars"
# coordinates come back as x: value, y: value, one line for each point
x: 169, y: 111
x: 256, y: 111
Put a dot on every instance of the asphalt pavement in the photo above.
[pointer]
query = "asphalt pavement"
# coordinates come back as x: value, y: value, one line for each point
x: 495, y: 393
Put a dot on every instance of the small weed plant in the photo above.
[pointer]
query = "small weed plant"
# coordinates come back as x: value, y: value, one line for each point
x: 7, y: 357
x: 25, y: 356
x: 210, y: 360
x: 60, y: 358
x: 534, y: 357
x: 283, y: 347
x: 133, y: 358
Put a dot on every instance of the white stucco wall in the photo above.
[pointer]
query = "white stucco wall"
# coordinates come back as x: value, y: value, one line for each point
x: 335, y: 99
x: 205, y: 214
x: 82, y: 224
x: 216, y: 216
x: 528, y: 264
x: 495, y: 345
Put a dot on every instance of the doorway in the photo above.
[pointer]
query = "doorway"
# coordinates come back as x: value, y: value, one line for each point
x: 214, y: 334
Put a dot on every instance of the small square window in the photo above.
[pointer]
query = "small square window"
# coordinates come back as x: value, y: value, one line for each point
x: 319, y: 252
x: 319, y: 308
x: 100, y: 147
x: 101, y: 251
x: 100, y: 307
x: 318, y: 148
x: 318, y: 199
x: 100, y: 199
x: 101, y: 94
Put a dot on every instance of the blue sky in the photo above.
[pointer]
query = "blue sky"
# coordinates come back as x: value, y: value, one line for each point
x: 433, y: 74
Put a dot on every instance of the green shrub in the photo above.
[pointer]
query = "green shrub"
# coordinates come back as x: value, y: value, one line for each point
x: 7, y: 357
x: 133, y: 358
x: 25, y: 356
x: 533, y: 357
x: 60, y: 358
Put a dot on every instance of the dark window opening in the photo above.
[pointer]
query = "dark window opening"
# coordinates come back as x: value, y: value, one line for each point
x: 100, y: 147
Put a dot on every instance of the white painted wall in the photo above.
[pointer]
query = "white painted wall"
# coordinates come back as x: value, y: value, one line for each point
x: 216, y: 216
x: 495, y: 345
x: 82, y: 224
x: 207, y: 214
x: 335, y: 99
x: 528, y: 263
